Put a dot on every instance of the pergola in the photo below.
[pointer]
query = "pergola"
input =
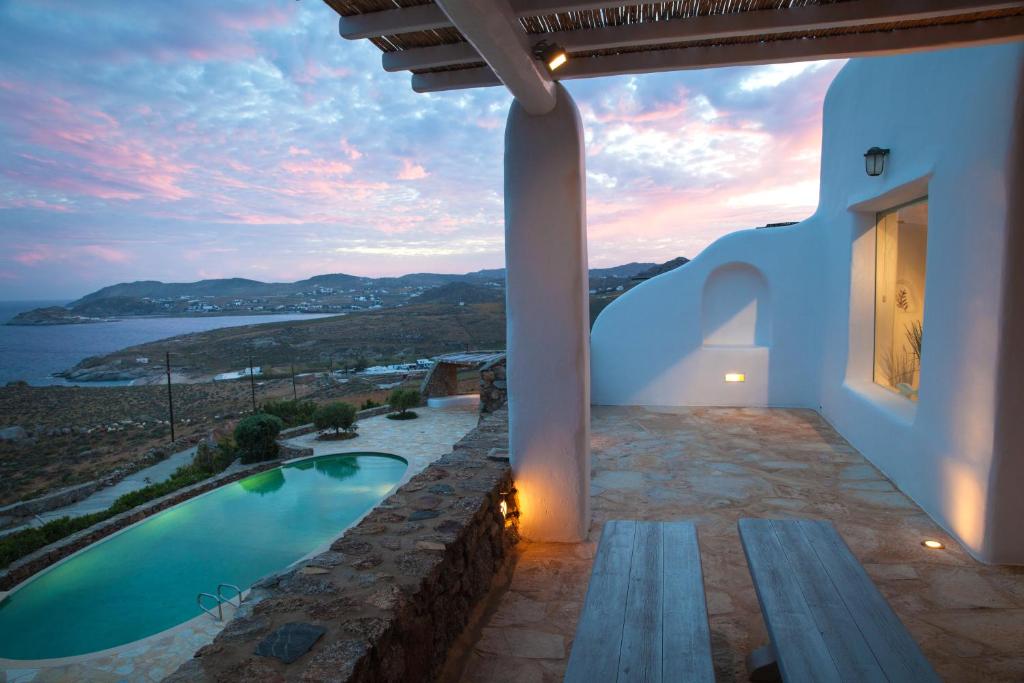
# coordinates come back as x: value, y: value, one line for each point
x: 455, y: 44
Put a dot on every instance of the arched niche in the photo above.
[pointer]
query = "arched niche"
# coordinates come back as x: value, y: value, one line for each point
x: 736, y: 307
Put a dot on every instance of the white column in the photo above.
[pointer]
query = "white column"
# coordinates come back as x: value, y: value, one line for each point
x: 548, y: 320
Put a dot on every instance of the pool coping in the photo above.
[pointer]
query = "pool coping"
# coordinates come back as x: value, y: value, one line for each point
x: 53, y: 662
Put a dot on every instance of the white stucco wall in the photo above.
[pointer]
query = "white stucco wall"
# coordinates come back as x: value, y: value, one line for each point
x: 948, y: 118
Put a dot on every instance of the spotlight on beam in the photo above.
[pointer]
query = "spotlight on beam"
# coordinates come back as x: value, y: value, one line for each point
x: 551, y: 54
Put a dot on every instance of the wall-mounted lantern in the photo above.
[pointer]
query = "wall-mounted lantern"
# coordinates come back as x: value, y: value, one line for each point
x: 551, y: 54
x: 874, y: 160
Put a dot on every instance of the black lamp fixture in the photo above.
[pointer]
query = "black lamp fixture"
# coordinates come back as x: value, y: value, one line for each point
x: 551, y: 54
x: 874, y: 160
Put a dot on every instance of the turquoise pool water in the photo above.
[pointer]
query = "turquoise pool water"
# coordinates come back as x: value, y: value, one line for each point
x: 145, y: 579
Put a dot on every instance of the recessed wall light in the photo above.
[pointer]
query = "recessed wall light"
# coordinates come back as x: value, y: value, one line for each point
x: 735, y: 377
x: 932, y: 544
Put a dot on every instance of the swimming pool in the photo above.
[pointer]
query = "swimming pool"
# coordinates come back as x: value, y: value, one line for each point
x: 145, y: 579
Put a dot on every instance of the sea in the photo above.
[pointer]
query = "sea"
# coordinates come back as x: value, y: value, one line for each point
x: 35, y: 353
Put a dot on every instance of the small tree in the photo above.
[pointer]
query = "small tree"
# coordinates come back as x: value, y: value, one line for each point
x: 403, y: 399
x: 337, y: 416
x: 256, y: 437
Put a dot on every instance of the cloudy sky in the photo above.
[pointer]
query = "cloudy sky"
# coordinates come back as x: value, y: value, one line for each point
x: 194, y: 139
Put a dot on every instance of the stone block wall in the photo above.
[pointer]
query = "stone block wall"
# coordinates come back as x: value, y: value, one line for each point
x: 442, y: 380
x: 389, y: 598
x: 23, y: 511
x: 302, y: 430
x: 493, y: 389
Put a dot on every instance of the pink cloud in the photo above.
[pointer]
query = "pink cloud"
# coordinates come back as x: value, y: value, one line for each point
x: 43, y: 253
x: 320, y: 166
x: 33, y: 256
x: 350, y: 151
x: 85, y: 150
x: 108, y: 254
x: 411, y: 171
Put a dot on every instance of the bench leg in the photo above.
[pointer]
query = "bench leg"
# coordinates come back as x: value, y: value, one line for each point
x: 762, y: 666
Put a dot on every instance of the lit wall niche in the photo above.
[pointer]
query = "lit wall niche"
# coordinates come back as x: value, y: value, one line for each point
x: 901, y: 241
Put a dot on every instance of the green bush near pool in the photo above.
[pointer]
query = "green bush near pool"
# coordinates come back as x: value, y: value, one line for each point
x: 256, y: 437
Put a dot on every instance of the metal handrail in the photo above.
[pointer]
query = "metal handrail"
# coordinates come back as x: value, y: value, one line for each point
x: 238, y: 593
x: 219, y: 615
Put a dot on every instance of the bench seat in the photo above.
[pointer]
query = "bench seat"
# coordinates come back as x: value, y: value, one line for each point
x: 645, y: 617
x: 825, y: 618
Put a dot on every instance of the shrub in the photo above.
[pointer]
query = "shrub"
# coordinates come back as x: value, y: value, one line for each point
x: 293, y: 412
x: 214, y: 459
x: 403, y: 399
x: 256, y: 437
x: 370, y: 403
x: 186, y: 475
x: 337, y: 416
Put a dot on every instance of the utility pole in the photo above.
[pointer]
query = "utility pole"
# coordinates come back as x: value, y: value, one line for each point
x: 295, y: 394
x: 170, y: 400
x: 252, y: 385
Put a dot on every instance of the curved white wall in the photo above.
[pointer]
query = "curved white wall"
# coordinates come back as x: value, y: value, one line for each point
x: 949, y: 119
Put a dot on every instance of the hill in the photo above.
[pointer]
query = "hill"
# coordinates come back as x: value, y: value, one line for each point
x: 328, y: 293
x: 400, y: 334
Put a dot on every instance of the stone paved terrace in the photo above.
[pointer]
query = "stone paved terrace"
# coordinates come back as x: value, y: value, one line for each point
x: 714, y: 466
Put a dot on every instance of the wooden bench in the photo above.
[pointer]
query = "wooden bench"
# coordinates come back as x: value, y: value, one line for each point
x: 644, y: 618
x: 825, y: 618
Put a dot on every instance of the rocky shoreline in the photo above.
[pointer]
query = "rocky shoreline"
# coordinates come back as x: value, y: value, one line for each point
x: 53, y: 315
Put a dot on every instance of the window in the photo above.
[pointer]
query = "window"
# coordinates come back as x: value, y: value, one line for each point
x: 901, y: 236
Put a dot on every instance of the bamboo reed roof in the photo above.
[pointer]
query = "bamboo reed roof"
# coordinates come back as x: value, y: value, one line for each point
x: 605, y: 15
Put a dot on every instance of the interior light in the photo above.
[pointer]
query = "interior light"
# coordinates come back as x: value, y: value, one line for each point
x: 932, y: 544
x: 503, y: 506
x: 735, y: 377
x: 874, y: 160
x: 551, y: 54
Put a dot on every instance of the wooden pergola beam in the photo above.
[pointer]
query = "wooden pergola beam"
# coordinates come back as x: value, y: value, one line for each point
x: 393, y: 21
x: 492, y: 29
x: 881, y: 43
x: 711, y: 27
x: 430, y: 57
x: 429, y: 17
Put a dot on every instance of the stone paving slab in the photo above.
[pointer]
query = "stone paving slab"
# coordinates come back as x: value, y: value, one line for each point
x: 713, y: 466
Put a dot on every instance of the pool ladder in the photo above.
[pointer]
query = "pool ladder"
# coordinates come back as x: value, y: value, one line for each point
x: 220, y: 599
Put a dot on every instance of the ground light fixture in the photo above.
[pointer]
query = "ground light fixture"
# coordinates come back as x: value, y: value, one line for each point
x: 551, y: 54
x: 735, y: 377
x: 874, y: 160
x: 504, y: 507
x: 932, y: 544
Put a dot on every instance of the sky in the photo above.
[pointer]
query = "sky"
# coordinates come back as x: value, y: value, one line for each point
x: 192, y: 139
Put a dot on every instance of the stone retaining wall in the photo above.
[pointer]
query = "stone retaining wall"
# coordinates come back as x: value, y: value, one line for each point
x: 302, y: 430
x: 389, y: 598
x: 21, y: 512
x: 442, y: 380
x: 493, y: 388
